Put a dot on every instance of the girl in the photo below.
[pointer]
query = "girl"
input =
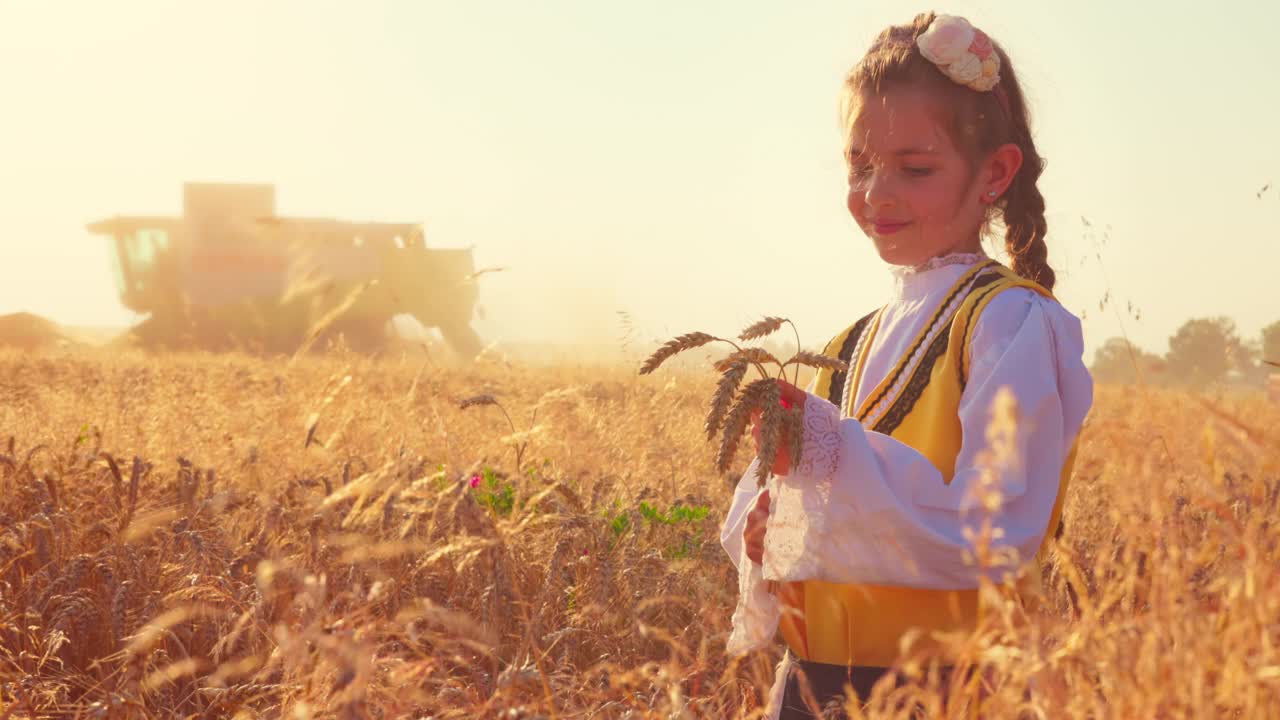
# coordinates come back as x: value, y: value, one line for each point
x: 869, y: 541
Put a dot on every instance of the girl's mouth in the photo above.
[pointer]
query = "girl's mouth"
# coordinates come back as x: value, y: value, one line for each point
x: 888, y: 228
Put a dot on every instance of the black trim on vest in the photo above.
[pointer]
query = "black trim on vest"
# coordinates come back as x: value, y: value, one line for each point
x: 836, y: 390
x: 916, y: 385
x: 937, y: 319
x: 924, y: 371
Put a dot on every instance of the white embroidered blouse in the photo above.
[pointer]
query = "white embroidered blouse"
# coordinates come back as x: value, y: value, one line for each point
x: 865, y: 508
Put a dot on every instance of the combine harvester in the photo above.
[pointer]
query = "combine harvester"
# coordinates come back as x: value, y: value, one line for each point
x: 230, y: 274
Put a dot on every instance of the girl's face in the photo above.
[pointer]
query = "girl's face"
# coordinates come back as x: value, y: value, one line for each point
x: 910, y: 189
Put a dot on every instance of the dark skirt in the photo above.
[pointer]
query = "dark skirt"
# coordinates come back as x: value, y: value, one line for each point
x: 826, y: 683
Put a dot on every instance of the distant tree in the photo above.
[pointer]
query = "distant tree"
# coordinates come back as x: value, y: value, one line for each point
x: 1252, y: 370
x: 1271, y: 342
x: 1118, y: 361
x: 1205, y: 350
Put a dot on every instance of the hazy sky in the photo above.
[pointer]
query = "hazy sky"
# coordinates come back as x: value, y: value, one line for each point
x: 678, y: 161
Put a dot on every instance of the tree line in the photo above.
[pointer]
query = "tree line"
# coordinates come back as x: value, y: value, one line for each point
x: 1204, y: 352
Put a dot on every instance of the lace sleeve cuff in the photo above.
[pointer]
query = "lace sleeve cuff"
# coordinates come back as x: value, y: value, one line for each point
x: 801, y: 501
x: 821, y: 451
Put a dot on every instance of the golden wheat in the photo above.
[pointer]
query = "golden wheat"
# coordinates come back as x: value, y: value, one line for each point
x: 730, y: 420
x: 363, y: 576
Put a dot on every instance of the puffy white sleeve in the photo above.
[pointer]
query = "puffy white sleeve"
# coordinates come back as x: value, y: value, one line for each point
x: 866, y: 508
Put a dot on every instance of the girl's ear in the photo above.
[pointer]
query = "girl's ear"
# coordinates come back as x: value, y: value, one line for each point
x: 1000, y: 169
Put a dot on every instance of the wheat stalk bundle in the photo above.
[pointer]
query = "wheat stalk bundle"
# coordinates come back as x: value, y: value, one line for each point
x: 731, y: 407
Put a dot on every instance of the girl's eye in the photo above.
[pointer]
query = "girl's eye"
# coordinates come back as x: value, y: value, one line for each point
x: 919, y: 172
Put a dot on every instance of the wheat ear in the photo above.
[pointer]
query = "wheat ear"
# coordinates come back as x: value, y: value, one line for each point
x: 760, y: 329
x: 756, y: 355
x: 768, y: 326
x: 688, y: 341
x: 725, y: 390
x: 795, y: 430
x: 771, y: 420
x: 818, y: 360
x: 477, y: 400
x: 735, y: 425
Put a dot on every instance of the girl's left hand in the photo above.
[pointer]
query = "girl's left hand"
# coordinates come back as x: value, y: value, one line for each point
x: 753, y: 533
x: 792, y: 396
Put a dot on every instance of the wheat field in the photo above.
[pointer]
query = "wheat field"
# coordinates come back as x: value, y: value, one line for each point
x: 226, y: 536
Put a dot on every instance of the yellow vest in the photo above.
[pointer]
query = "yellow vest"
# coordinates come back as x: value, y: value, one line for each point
x: 861, y: 624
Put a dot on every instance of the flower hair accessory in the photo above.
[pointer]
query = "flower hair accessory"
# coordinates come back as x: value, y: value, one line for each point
x: 962, y: 52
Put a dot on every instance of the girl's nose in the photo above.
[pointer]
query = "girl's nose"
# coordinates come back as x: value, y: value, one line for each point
x: 878, y: 191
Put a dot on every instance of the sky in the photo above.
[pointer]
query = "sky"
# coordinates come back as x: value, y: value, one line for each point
x: 678, y: 162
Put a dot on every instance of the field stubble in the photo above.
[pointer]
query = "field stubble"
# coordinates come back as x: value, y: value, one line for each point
x: 223, y: 536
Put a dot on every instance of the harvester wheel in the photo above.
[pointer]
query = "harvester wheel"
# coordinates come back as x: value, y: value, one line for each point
x: 463, y: 340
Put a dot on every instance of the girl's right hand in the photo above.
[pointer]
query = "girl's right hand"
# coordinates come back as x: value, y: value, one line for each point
x: 753, y: 535
x: 792, y: 396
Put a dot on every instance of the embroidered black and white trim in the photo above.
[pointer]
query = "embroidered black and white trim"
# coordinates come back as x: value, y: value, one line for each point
x: 855, y: 365
x: 924, y: 371
x: 940, y: 322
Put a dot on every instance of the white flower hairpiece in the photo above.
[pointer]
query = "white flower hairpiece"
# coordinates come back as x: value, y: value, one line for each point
x: 961, y: 51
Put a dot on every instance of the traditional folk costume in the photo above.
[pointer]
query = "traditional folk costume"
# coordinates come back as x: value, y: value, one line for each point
x: 866, y: 539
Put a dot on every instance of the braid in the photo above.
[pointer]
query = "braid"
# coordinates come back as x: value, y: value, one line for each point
x: 1025, y: 226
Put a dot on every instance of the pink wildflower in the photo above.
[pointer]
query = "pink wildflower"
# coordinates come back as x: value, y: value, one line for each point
x: 475, y: 481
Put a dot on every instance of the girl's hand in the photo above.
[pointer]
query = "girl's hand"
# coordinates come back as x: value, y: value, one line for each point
x: 792, y: 396
x: 753, y: 535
